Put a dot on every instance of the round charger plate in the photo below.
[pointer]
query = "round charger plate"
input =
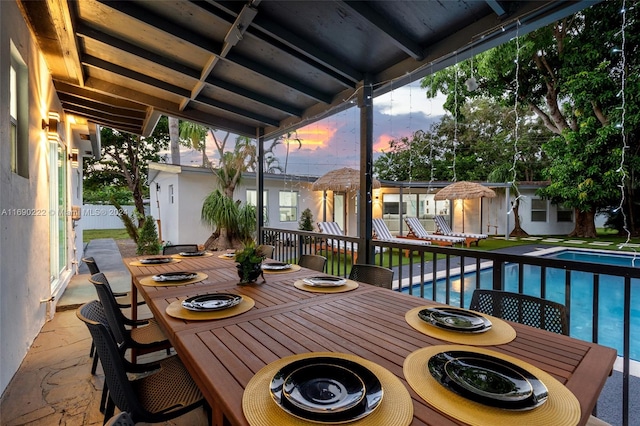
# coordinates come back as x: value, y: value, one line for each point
x: 190, y: 255
x: 292, y: 268
x: 175, y: 276
x: 325, y: 281
x: 326, y: 390
x: 260, y: 409
x: 348, y: 286
x: 276, y: 266
x: 150, y: 282
x: 228, y: 256
x: 139, y: 262
x: 211, y: 302
x: 561, y: 408
x: 455, y: 319
x: 488, y: 380
x: 175, y: 309
x: 500, y: 333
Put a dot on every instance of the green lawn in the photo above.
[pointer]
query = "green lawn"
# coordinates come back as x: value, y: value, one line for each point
x: 94, y: 234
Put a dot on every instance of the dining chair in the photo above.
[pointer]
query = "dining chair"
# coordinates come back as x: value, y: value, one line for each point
x: 123, y: 297
x: 143, y: 336
x: 268, y: 250
x: 372, y: 274
x: 146, y: 398
x: 521, y: 308
x: 179, y: 248
x: 313, y: 261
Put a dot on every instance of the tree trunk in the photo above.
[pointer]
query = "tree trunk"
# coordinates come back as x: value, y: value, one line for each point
x: 174, y: 140
x: 585, y: 225
x: 517, y: 227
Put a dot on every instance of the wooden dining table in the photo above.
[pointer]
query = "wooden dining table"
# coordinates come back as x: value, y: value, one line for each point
x: 223, y: 355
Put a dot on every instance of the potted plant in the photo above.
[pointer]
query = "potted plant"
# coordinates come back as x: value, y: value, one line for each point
x: 249, y: 263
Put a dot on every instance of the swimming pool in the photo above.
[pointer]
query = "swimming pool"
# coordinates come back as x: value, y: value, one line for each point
x: 611, y: 295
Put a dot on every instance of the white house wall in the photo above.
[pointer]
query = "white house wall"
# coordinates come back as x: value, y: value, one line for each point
x: 24, y: 238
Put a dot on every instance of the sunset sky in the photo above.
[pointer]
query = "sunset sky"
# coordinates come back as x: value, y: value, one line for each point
x: 333, y: 143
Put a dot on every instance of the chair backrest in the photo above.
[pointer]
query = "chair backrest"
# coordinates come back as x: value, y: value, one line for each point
x: 268, y: 250
x: 313, y: 261
x: 521, y: 308
x: 372, y: 274
x: 180, y: 248
x: 416, y: 227
x: 115, y: 317
x: 120, y: 390
x: 442, y: 225
x: 330, y: 228
x: 381, y: 229
x: 91, y: 264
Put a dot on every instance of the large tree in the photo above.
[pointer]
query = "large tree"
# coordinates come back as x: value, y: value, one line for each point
x: 124, y: 162
x: 570, y: 75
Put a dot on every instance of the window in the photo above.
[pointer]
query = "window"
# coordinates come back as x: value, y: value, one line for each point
x: 538, y: 210
x: 170, y: 194
x: 391, y: 205
x: 18, y: 114
x: 288, y: 206
x: 252, y: 199
x: 564, y: 213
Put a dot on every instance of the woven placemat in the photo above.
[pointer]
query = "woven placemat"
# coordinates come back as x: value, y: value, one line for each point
x: 501, y: 332
x: 293, y: 268
x: 179, y: 256
x: 561, y: 408
x: 396, y: 408
x: 176, y: 310
x: 148, y: 281
x: 137, y: 263
x: 348, y: 286
x: 222, y: 256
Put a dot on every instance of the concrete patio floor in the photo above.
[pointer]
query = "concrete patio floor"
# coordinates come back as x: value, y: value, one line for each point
x: 54, y: 385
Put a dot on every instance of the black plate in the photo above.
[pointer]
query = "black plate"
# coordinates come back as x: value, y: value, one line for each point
x: 276, y: 266
x: 155, y: 260
x: 324, y: 281
x: 191, y: 253
x: 211, y: 302
x: 313, y: 372
x: 175, y: 276
x: 488, y: 380
x: 322, y: 388
x: 455, y: 319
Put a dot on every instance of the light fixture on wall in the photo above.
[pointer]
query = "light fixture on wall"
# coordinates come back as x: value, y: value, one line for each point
x: 73, y: 157
x: 51, y: 125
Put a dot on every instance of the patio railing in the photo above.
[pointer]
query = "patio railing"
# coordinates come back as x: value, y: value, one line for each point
x: 435, y: 273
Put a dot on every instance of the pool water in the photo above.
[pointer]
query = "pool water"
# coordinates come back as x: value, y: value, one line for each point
x: 611, y: 304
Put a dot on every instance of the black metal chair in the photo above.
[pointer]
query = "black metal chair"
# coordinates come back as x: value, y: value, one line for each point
x: 146, y: 398
x: 123, y: 298
x: 521, y: 308
x: 180, y: 248
x: 313, y: 261
x: 145, y: 336
x: 372, y: 274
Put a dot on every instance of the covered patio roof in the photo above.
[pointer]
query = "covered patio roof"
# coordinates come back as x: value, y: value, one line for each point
x: 258, y: 66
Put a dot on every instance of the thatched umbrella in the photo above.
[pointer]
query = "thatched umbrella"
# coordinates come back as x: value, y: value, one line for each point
x: 464, y: 190
x: 340, y: 180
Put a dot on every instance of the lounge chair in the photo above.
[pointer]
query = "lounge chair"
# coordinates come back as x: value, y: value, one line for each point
x: 416, y: 230
x: 443, y: 228
x: 339, y: 246
x: 382, y: 233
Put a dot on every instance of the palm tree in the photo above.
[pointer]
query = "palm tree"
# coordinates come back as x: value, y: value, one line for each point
x: 233, y: 223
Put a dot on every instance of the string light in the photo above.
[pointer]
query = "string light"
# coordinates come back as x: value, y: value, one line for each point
x: 455, y: 116
x: 513, y: 169
x: 625, y: 146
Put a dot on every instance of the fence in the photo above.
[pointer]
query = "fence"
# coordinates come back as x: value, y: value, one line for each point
x: 102, y: 216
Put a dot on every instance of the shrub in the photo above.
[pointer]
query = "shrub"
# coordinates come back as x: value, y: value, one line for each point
x: 148, y: 238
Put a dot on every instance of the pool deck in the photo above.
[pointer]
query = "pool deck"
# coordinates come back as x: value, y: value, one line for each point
x: 54, y: 384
